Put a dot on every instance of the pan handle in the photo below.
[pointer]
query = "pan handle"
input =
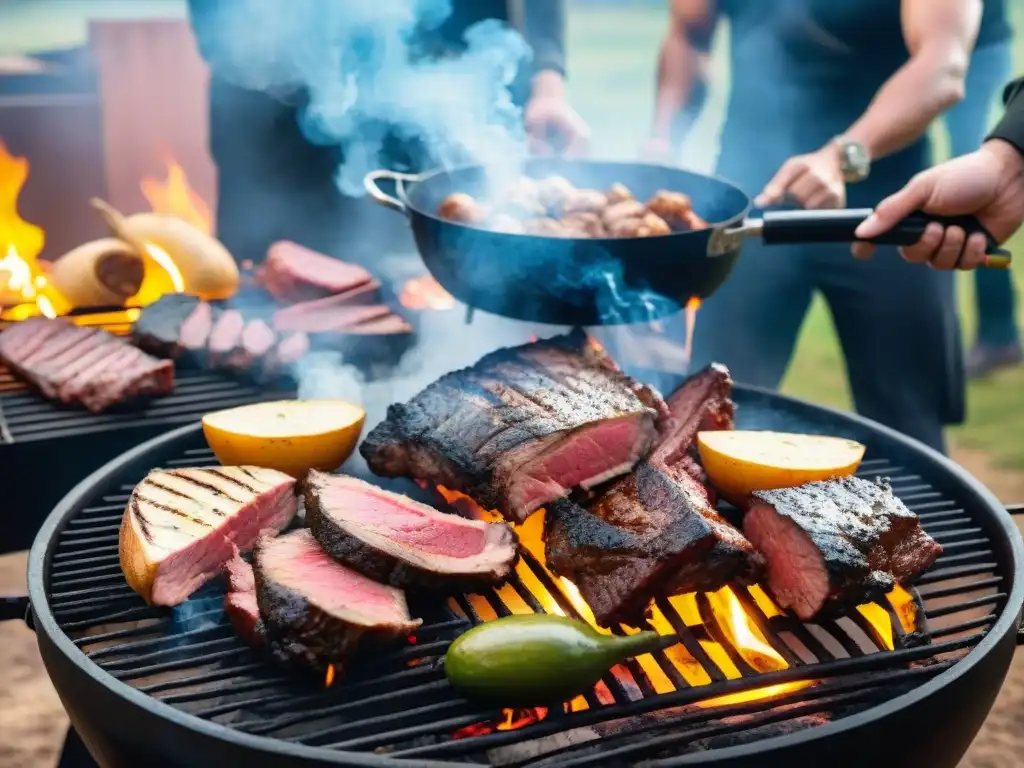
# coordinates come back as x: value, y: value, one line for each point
x: 15, y: 607
x: 382, y: 197
x: 837, y: 226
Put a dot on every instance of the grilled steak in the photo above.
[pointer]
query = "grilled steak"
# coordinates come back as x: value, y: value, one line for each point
x: 381, y: 326
x: 316, y: 610
x: 159, y: 327
x: 182, y: 526
x: 240, y: 602
x: 652, y: 533
x: 82, y: 365
x: 294, y: 273
x: 844, y: 541
x: 396, y: 540
x: 702, y: 402
x: 520, y: 428
x: 329, y: 320
x: 360, y: 296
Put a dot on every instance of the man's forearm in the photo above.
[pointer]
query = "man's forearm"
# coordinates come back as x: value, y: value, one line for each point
x: 675, y: 80
x: 1011, y: 127
x: 910, y: 100
x: 544, y: 29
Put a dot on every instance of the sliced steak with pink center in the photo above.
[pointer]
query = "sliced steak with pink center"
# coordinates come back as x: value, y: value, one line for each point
x: 330, y: 319
x: 836, y: 543
x: 520, y: 428
x: 701, y: 403
x: 197, y: 327
x: 182, y: 526
x: 225, y: 336
x: 391, y: 538
x: 651, y: 534
x: 317, y: 610
x: 159, y: 328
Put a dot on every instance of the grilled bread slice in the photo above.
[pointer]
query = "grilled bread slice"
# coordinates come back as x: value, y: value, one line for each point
x: 182, y: 526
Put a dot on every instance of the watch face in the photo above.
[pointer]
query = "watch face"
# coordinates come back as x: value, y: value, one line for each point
x: 856, y: 162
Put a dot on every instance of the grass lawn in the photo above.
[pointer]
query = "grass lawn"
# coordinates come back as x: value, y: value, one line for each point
x: 612, y: 55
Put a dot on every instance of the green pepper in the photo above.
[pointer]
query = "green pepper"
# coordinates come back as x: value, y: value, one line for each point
x: 533, y: 660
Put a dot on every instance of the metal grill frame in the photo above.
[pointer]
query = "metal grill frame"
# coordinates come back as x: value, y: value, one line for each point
x: 990, y: 657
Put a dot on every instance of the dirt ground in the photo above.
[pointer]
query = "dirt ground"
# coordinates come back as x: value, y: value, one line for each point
x: 32, y: 721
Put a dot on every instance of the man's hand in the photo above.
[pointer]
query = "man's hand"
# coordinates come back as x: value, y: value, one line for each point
x: 988, y: 184
x: 552, y: 125
x: 813, y: 181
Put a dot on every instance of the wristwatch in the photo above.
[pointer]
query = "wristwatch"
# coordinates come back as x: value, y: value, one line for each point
x: 855, y: 162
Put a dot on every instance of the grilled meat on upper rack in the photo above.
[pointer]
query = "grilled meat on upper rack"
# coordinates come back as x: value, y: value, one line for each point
x: 521, y: 427
x: 82, y: 365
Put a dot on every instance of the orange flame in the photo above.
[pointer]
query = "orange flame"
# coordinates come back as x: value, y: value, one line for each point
x: 176, y: 197
x: 24, y: 289
x: 691, y: 323
x: 425, y: 293
x: 329, y: 676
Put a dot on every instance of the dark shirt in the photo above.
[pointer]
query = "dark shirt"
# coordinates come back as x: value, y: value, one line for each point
x: 543, y: 27
x: 995, y: 24
x: 1011, y: 127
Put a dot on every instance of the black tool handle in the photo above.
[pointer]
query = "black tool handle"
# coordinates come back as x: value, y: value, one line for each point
x: 838, y: 226
x: 14, y: 607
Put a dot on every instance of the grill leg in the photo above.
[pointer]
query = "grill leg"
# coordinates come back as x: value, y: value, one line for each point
x: 74, y: 754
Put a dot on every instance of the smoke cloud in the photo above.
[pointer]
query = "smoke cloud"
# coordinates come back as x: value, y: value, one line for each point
x: 366, y: 79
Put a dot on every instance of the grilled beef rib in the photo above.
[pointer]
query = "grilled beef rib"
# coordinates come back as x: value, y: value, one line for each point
x: 182, y: 526
x: 396, y: 540
x: 521, y: 427
x: 844, y: 541
x: 652, y: 533
x: 82, y: 365
x: 316, y: 610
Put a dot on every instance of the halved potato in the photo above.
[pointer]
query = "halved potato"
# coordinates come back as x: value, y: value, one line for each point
x: 739, y: 462
x: 292, y: 436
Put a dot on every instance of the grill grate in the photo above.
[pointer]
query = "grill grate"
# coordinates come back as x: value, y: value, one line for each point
x: 398, y: 703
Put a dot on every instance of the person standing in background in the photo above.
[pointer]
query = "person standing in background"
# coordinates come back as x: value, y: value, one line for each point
x: 276, y: 184
x: 829, y: 107
x: 997, y: 344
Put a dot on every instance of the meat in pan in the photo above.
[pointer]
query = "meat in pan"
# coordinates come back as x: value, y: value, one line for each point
x: 836, y: 543
x: 521, y: 427
x: 553, y: 207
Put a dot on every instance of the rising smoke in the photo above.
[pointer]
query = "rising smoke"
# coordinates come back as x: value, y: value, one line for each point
x: 358, y: 64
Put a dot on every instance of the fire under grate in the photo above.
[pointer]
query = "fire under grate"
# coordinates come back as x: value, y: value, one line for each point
x: 724, y: 681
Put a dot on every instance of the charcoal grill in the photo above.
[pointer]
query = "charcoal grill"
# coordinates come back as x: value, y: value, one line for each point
x: 175, y: 688
x: 50, y: 447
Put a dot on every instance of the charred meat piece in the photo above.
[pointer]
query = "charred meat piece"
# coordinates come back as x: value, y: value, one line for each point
x: 520, y: 428
x: 295, y: 273
x: 844, y: 541
x: 240, y: 602
x: 316, y: 610
x: 159, y: 327
x: 701, y: 403
x: 82, y: 365
x: 396, y: 540
x: 182, y: 526
x: 651, y: 534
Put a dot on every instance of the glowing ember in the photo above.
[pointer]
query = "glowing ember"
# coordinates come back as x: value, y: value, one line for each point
x: 425, y: 293
x: 510, y: 720
x: 175, y: 196
x: 329, y: 677
x: 906, y: 608
x: 24, y: 290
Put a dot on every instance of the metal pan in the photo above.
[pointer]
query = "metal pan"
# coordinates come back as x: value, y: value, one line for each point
x: 607, y: 281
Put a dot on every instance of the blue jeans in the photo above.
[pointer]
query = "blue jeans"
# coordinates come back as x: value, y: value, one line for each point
x: 968, y: 124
